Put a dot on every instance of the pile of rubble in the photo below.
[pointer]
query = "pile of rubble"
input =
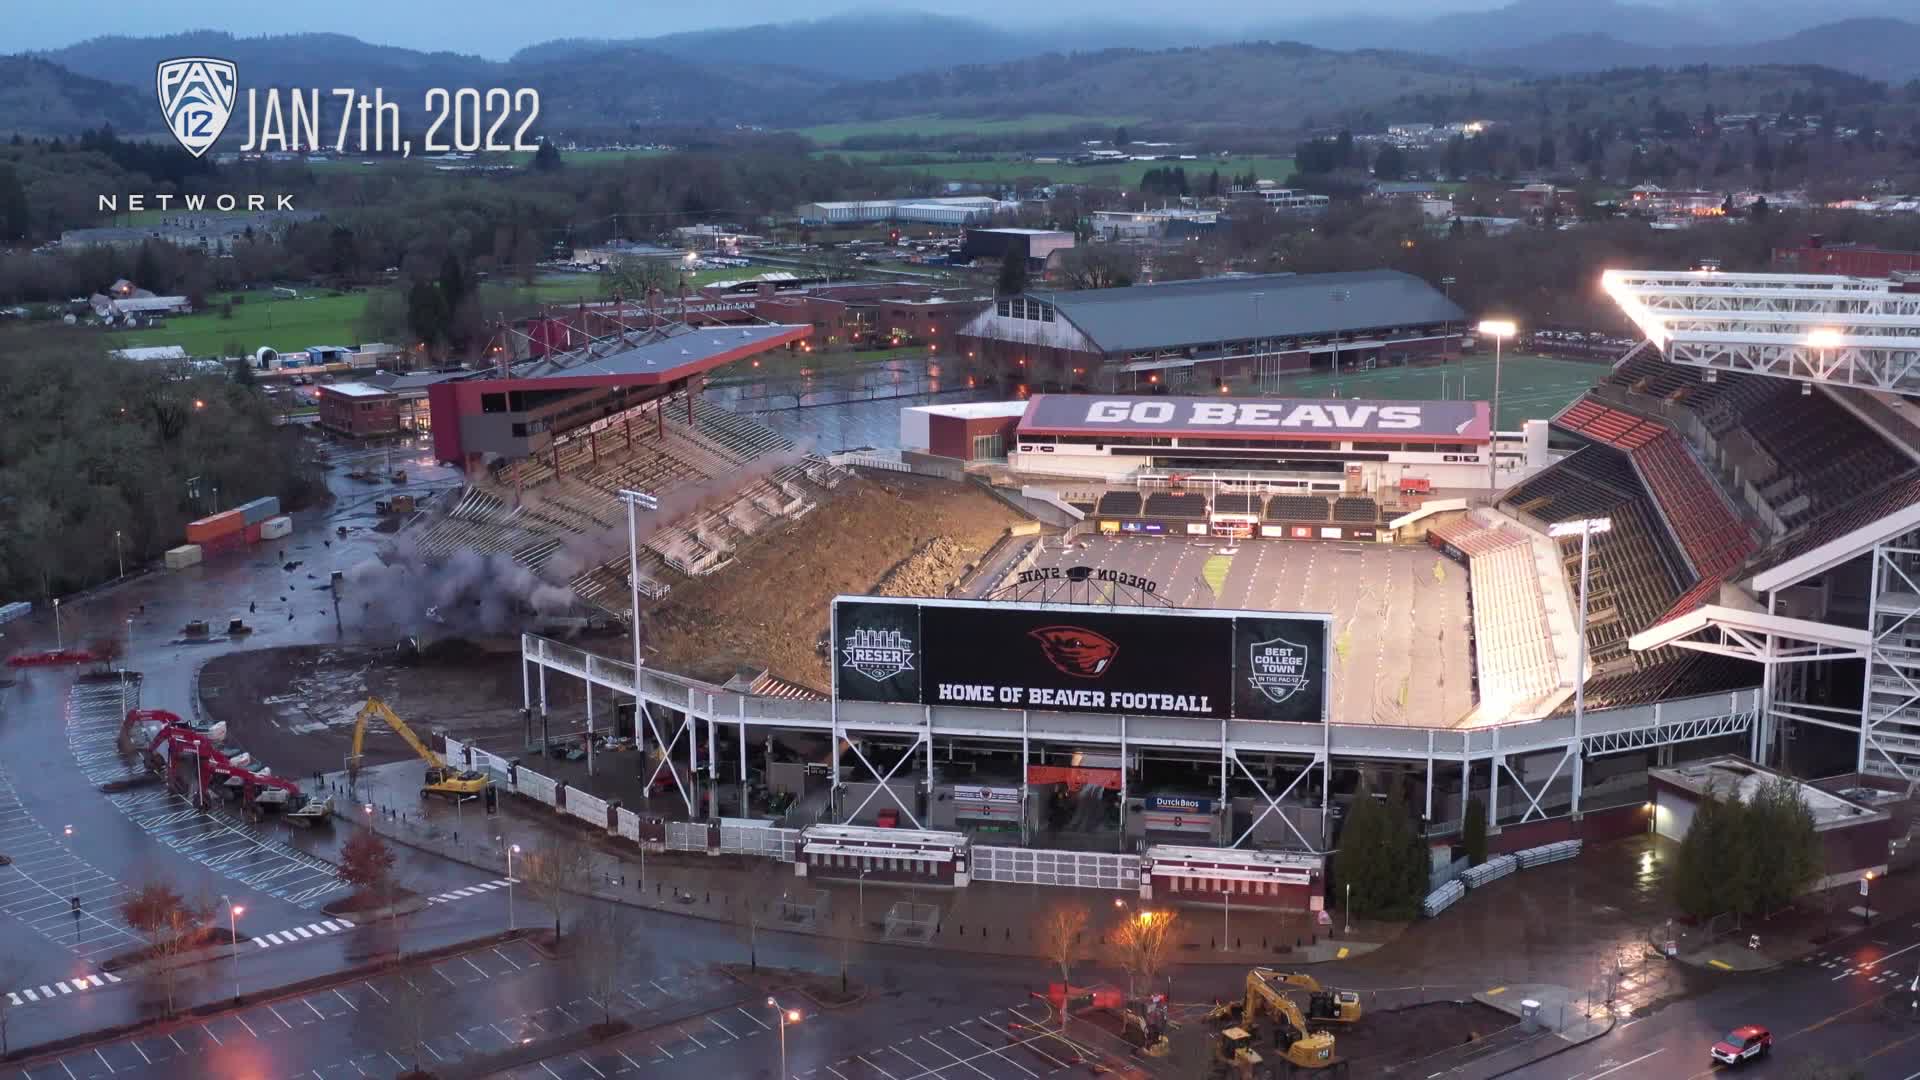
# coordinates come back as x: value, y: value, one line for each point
x: 928, y: 571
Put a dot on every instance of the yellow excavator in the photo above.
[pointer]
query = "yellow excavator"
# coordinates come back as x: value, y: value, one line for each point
x: 1337, y: 1006
x: 441, y: 779
x: 1300, y: 1047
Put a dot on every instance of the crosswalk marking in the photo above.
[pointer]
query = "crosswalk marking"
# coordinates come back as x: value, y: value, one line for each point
x: 308, y: 932
x: 469, y: 891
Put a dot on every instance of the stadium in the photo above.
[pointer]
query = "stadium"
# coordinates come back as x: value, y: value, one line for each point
x: 1711, y: 549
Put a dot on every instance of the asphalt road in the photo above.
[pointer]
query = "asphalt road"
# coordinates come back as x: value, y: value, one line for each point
x: 1830, y: 1007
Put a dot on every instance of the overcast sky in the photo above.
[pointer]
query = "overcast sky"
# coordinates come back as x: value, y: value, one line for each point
x: 495, y: 28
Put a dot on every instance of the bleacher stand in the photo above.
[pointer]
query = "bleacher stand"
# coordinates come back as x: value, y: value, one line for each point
x: 1119, y: 503
x: 1356, y: 509
x: 1236, y: 503
x: 1187, y: 504
x: 1514, y: 654
x: 1297, y: 508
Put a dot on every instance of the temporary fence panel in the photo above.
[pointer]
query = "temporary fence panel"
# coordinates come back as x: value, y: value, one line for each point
x: 1072, y: 869
x: 1442, y: 898
x: 1490, y: 871
x: 686, y: 836
x: 536, y: 787
x: 743, y: 837
x: 587, y: 808
x: 1547, y: 853
x: 17, y: 609
x: 629, y: 824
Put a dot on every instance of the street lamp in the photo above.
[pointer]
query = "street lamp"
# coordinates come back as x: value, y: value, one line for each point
x: 1499, y: 330
x: 511, y: 852
x: 1349, y: 906
x: 59, y: 636
x: 787, y: 1016
x: 1866, y: 895
x: 1586, y: 529
x: 120, y: 553
x: 234, y: 911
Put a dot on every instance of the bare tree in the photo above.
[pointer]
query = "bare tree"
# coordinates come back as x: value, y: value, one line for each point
x: 757, y: 909
x: 1060, y: 931
x: 607, y: 943
x: 1144, y: 941
x: 1100, y: 266
x: 172, y: 924
x: 405, y: 1014
x: 553, y: 873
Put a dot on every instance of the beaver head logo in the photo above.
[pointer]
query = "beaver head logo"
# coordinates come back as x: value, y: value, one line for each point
x: 1075, y: 650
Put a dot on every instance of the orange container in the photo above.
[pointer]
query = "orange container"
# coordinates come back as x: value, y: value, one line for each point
x: 215, y: 527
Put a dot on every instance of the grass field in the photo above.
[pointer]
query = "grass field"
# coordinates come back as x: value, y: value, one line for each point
x: 329, y: 320
x: 835, y: 134
x: 1531, y: 387
x: 1123, y: 174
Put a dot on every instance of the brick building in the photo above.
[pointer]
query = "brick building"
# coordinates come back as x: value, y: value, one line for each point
x: 358, y: 410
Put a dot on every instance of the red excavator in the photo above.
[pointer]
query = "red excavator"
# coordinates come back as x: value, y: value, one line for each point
x: 196, y: 761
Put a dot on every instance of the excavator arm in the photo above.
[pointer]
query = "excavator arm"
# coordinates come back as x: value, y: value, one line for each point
x: 376, y: 707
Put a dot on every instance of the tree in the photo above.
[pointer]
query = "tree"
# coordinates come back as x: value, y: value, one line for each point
x: 1379, y: 866
x: 547, y: 158
x: 1474, y: 832
x: 606, y: 945
x: 405, y: 1014
x: 1390, y: 164
x: 1100, y: 266
x: 1707, y: 875
x: 1547, y: 154
x: 1120, y: 137
x: 366, y: 862
x: 552, y: 874
x: 639, y: 279
x: 14, y: 217
x: 1145, y: 939
x: 1013, y: 275
x: 171, y: 924
x: 1060, y: 931
x: 1783, y: 853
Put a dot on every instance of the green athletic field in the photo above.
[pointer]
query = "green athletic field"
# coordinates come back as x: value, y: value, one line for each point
x: 1531, y: 387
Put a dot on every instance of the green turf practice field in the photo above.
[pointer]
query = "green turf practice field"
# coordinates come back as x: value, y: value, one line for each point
x: 931, y: 125
x: 1531, y: 387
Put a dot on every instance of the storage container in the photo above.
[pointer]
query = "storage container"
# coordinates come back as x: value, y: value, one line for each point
x: 252, y: 532
x: 260, y: 509
x: 232, y: 541
x: 215, y: 526
x: 183, y: 556
x: 276, y: 527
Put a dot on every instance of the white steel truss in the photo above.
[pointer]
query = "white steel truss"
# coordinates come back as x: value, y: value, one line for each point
x: 1890, y: 704
x: 1824, y: 328
x: 1666, y: 734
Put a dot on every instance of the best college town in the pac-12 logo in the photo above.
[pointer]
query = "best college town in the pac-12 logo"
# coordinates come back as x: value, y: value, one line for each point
x: 1277, y: 668
x: 196, y: 97
x: 878, y: 654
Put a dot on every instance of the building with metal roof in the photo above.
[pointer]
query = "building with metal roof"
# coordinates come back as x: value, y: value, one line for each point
x: 1212, y: 331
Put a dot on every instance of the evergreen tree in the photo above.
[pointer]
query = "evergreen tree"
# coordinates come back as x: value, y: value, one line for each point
x: 1390, y: 164
x: 1120, y: 137
x: 453, y: 281
x: 146, y: 268
x: 1379, y: 858
x: 1474, y: 833
x: 1213, y: 183
x: 1548, y: 154
x: 427, y: 312
x: 1784, y: 851
x: 547, y: 158
x: 1013, y: 275
x: 13, y: 205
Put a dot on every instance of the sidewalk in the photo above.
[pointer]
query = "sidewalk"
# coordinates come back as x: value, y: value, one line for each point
x: 981, y: 918
x: 1790, y: 935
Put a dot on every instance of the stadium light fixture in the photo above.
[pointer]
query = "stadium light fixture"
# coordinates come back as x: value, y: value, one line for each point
x: 1582, y: 526
x: 636, y: 501
x: 1498, y: 329
x: 1825, y: 337
x: 1585, y: 529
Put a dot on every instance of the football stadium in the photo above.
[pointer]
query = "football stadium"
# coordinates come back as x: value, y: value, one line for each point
x: 1221, y: 607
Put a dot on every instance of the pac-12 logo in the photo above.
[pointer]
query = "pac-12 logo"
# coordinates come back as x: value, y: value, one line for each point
x: 878, y: 654
x: 1277, y: 668
x: 1076, y: 650
x: 196, y: 97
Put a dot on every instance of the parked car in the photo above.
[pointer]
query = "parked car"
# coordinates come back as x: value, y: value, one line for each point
x: 1742, y: 1044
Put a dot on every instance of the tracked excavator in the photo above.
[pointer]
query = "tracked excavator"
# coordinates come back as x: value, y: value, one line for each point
x: 1323, y: 1003
x: 1299, y: 1047
x: 441, y: 780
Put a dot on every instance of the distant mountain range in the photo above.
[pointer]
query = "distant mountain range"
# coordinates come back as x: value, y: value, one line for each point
x: 887, y: 66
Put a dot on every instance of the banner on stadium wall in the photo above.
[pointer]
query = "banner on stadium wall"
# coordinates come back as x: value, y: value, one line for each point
x: 1206, y: 664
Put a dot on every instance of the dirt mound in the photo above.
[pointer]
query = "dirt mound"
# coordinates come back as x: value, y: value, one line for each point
x: 768, y: 607
x: 927, y: 571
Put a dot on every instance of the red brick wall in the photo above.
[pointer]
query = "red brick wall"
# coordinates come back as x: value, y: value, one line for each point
x: 1596, y: 827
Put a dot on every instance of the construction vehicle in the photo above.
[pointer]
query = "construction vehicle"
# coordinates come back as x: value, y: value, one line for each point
x: 1337, y: 1006
x: 219, y: 769
x: 1234, y: 1057
x: 441, y: 779
x: 1144, y: 1025
x: 1299, y: 1046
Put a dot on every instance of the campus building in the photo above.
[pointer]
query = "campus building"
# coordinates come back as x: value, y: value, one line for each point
x: 1206, y: 333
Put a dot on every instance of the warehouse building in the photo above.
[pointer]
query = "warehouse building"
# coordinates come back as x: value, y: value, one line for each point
x: 952, y: 210
x: 1247, y: 330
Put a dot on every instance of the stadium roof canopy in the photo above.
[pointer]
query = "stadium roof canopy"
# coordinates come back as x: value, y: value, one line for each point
x: 1237, y: 308
x: 647, y: 357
